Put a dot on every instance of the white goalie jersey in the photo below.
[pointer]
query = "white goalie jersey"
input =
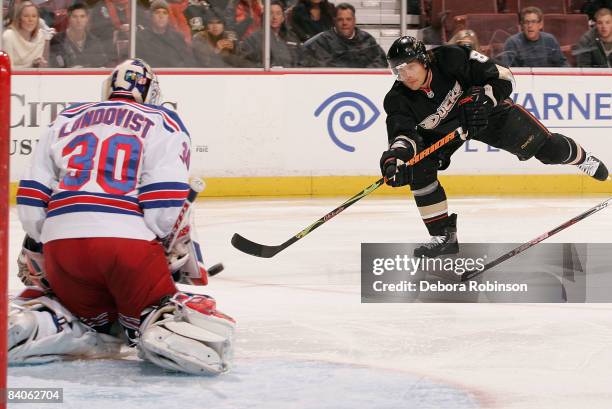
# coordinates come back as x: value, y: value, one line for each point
x: 91, y: 176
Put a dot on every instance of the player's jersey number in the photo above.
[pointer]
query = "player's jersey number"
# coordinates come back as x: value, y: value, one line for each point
x: 116, y: 164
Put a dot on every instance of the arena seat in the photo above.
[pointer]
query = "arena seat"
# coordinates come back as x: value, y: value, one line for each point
x: 547, y: 6
x: 492, y: 29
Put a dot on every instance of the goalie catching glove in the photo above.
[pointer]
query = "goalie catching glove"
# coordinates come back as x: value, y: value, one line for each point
x: 475, y: 109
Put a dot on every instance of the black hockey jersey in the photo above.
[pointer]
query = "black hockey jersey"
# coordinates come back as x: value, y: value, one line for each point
x: 436, y: 112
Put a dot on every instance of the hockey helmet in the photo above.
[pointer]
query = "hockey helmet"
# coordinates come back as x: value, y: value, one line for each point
x: 404, y: 50
x: 133, y: 79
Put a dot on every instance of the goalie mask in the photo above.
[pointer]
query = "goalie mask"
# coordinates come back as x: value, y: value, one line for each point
x: 132, y: 79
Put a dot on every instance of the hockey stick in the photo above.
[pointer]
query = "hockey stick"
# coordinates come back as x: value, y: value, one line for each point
x: 473, y: 273
x: 261, y: 250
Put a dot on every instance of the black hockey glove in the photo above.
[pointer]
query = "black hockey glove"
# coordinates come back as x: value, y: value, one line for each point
x: 475, y: 109
x: 401, y: 151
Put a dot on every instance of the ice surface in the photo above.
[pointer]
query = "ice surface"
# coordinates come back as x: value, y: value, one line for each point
x: 269, y: 383
x: 304, y: 340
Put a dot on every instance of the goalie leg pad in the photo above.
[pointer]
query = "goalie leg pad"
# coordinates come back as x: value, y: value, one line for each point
x: 188, y: 334
x: 41, y: 330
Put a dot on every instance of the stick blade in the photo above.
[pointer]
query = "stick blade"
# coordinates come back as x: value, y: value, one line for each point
x: 258, y: 250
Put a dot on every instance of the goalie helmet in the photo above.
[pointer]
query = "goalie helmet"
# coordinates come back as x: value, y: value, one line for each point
x: 404, y: 50
x: 133, y: 79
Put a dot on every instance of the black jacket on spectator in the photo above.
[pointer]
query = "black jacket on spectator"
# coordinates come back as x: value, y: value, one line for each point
x: 304, y: 26
x: 163, y: 50
x: 329, y: 49
x: 64, y: 53
x: 285, y: 49
x: 590, y: 51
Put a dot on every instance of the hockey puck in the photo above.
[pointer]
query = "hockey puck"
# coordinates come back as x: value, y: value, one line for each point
x: 215, y: 269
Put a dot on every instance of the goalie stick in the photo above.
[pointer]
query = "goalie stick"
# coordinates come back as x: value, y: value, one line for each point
x: 196, y: 186
x: 468, y: 275
x: 260, y: 250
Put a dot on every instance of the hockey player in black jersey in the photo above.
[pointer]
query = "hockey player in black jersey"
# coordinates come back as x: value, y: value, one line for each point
x: 435, y: 93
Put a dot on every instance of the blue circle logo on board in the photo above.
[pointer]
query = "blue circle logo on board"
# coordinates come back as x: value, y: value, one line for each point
x: 349, y: 111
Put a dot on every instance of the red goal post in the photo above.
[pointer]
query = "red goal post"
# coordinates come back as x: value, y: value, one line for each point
x: 5, y: 116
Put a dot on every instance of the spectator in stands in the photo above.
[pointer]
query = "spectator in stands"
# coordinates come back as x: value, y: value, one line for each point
x: 595, y: 47
x: 311, y: 17
x: 178, y: 20
x: 47, y: 18
x: 23, y: 40
x: 590, y: 7
x: 284, y: 44
x: 216, y: 47
x: 466, y: 38
x: 77, y: 47
x: 110, y: 22
x: 195, y: 13
x: 344, y: 45
x: 161, y: 45
x: 532, y: 47
x: 243, y: 16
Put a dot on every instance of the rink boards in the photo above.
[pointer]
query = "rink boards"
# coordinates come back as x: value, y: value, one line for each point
x: 304, y: 133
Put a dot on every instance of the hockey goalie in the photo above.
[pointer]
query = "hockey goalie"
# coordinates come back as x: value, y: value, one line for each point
x: 103, y: 204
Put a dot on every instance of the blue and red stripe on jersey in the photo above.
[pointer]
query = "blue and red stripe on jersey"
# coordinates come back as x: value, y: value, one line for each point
x: 32, y: 193
x: 163, y: 194
x: 71, y: 202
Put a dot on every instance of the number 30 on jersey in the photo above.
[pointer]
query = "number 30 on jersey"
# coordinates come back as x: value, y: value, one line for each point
x: 116, y: 164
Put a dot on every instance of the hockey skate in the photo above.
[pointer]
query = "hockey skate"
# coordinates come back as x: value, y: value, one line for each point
x: 444, y: 244
x: 594, y: 167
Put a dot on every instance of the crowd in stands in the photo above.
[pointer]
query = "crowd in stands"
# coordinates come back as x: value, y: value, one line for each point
x: 527, y: 33
x: 304, y: 33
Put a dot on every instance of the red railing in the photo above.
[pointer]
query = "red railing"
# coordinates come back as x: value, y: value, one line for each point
x: 5, y: 116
